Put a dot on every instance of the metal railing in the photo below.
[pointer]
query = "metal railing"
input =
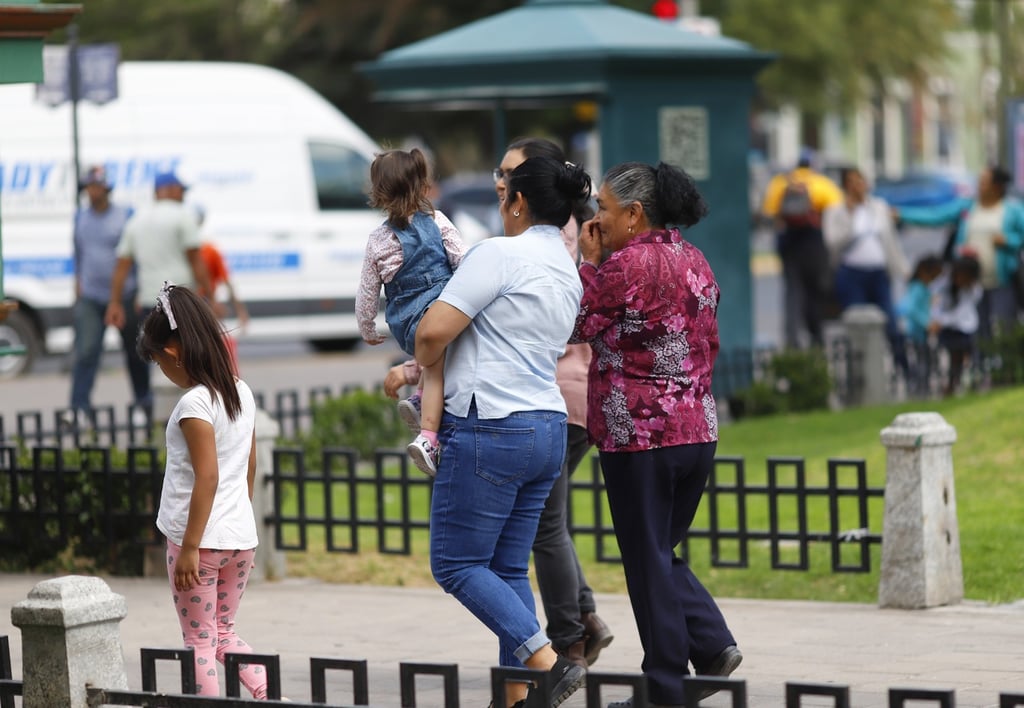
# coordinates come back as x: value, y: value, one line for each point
x: 694, y: 687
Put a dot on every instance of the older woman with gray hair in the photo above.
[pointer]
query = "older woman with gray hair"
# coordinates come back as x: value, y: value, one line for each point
x: 649, y: 313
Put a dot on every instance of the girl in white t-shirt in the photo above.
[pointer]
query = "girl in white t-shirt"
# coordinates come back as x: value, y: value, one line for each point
x: 206, y: 502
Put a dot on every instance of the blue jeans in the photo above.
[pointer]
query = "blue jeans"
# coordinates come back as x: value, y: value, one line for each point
x: 89, y: 329
x: 860, y: 286
x: 491, y: 484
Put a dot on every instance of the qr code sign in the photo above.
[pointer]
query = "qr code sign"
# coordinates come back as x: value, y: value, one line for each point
x: 683, y: 134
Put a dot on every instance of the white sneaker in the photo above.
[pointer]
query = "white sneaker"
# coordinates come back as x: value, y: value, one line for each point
x: 409, y: 412
x: 139, y: 418
x: 425, y: 455
x: 79, y: 420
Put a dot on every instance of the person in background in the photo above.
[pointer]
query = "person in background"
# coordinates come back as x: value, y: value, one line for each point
x: 915, y: 309
x: 956, y: 317
x: 97, y: 231
x: 795, y: 202
x: 573, y: 625
x: 162, y: 243
x: 865, y: 256
x: 649, y: 312
x: 412, y: 255
x: 991, y: 229
x: 205, y: 509
x: 504, y: 319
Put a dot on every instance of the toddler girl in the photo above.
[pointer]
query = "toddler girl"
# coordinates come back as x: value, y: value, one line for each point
x: 915, y: 308
x: 955, y: 316
x: 412, y: 254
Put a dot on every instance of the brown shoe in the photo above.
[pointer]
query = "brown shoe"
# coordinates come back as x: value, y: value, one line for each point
x: 596, y: 636
x: 575, y: 653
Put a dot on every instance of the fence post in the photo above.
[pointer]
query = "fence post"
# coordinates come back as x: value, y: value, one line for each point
x: 270, y: 563
x: 865, y: 327
x: 69, y: 637
x: 920, y: 538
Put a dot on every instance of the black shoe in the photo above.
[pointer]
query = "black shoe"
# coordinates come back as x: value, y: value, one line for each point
x: 568, y: 677
x: 723, y: 665
x: 628, y: 703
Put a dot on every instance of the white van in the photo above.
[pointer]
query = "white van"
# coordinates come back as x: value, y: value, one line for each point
x: 280, y: 174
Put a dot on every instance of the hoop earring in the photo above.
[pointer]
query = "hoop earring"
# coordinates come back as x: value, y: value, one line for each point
x: 515, y: 214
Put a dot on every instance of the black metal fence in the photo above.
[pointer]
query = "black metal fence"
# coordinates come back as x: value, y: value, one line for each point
x: 694, y: 687
x: 339, y: 498
x: 105, y: 501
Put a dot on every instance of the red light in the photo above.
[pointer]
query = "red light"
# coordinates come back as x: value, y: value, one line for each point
x: 665, y: 9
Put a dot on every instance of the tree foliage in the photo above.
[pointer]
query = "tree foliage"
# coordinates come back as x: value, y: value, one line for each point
x: 830, y: 53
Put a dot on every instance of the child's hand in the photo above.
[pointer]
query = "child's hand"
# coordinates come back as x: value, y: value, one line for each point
x: 374, y: 337
x: 186, y: 569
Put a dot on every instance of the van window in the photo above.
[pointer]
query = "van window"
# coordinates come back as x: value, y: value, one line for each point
x: 342, y: 176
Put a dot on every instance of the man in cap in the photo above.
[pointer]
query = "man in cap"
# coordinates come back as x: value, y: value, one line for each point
x: 97, y: 231
x: 162, y: 242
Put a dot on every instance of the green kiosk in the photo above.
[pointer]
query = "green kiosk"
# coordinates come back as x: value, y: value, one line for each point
x: 23, y: 26
x: 663, y: 94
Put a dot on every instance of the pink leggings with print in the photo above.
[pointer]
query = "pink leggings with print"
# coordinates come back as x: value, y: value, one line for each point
x: 207, y: 616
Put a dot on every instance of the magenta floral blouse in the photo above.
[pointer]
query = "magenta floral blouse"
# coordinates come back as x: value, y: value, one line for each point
x: 649, y: 314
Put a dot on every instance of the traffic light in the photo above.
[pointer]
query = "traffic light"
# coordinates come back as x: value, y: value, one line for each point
x: 665, y: 9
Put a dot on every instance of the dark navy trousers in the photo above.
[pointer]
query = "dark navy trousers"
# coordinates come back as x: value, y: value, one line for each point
x: 653, y: 496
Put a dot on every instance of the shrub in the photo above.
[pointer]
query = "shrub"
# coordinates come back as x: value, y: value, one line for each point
x: 75, y: 510
x: 1004, y: 357
x: 794, y: 381
x: 358, y: 419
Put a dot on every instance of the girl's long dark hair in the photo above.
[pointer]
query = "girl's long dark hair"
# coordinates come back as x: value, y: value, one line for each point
x: 204, y: 355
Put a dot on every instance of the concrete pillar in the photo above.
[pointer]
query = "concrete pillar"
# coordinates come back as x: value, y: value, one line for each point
x: 865, y: 327
x: 69, y: 637
x: 920, y: 538
x: 270, y: 563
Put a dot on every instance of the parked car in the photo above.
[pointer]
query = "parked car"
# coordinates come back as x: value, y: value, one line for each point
x: 924, y: 187
x: 470, y: 201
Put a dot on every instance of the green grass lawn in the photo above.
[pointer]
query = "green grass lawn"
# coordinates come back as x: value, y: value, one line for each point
x: 989, y: 483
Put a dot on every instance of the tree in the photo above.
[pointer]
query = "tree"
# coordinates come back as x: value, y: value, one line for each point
x: 832, y: 54
x: 207, y: 30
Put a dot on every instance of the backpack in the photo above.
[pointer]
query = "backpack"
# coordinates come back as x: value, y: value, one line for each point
x: 796, y: 208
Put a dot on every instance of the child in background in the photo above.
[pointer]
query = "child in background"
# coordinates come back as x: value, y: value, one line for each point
x: 915, y: 308
x: 206, y: 502
x: 217, y: 267
x: 955, y: 316
x: 412, y: 254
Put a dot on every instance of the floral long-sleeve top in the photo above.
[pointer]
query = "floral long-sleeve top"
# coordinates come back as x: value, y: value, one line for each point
x: 650, y: 315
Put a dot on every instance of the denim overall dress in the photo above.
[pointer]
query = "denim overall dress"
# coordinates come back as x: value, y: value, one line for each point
x: 425, y: 271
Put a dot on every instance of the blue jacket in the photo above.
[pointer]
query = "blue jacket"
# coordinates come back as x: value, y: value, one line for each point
x: 1013, y: 229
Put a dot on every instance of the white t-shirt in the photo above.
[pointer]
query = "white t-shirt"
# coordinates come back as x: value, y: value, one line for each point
x: 232, y: 524
x: 865, y: 251
x: 156, y: 239
x: 983, y: 224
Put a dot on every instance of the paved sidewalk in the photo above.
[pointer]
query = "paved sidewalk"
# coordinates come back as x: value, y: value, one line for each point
x: 976, y: 650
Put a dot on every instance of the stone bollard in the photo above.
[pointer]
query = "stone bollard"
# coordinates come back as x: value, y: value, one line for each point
x: 69, y: 637
x: 920, y: 538
x: 270, y: 563
x: 865, y: 326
